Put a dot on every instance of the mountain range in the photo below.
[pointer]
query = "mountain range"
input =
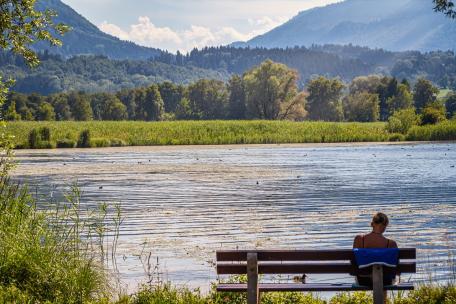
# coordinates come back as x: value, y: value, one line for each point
x: 93, y: 61
x: 395, y: 25
x: 85, y: 38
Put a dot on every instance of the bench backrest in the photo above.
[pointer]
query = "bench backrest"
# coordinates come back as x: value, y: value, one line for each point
x: 234, y: 262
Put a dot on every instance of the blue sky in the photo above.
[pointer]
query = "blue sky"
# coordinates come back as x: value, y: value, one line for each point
x: 184, y: 24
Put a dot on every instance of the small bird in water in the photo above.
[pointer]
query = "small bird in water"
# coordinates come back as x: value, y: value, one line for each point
x: 101, y: 187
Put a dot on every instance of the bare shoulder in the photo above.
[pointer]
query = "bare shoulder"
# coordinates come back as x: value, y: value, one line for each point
x: 359, y: 237
x: 357, y: 242
x: 392, y: 244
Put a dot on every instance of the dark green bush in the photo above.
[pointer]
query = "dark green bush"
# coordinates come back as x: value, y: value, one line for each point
x: 34, y: 139
x: 45, y: 134
x: 84, y: 139
x: 66, y: 143
x: 401, y: 121
x: 432, y: 116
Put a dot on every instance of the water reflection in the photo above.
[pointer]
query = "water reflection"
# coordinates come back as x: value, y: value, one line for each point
x: 183, y: 203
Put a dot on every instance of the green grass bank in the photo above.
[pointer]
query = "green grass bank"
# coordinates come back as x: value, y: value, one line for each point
x: 135, y: 133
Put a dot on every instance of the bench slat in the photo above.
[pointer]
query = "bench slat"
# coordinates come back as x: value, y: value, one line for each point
x: 301, y: 255
x: 268, y: 287
x: 299, y: 268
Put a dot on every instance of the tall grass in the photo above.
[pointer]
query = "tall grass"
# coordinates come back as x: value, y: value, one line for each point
x: 203, y: 132
x: 443, y: 131
x: 47, y: 256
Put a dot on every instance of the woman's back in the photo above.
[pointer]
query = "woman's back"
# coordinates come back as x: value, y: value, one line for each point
x: 373, y: 240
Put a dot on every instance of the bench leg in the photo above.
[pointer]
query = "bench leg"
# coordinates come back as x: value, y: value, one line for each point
x: 377, y: 280
x: 252, y: 278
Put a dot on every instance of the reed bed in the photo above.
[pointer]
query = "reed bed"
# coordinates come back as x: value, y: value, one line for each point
x: 135, y: 133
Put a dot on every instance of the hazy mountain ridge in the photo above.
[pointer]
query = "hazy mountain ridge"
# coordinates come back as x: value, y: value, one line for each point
x: 85, y: 38
x: 396, y: 25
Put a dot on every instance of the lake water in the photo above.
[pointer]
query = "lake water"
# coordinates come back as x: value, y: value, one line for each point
x: 181, y: 204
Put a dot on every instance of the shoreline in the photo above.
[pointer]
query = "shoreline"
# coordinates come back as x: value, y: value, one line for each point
x: 228, y: 146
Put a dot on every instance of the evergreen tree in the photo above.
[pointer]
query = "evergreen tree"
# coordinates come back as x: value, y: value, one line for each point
x: 401, y: 100
x: 154, y: 106
x: 171, y: 95
x: 236, y: 108
x: 451, y: 105
x: 127, y: 97
x: 424, y: 93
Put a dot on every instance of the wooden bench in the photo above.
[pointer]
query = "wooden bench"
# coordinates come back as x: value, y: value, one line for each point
x: 254, y: 263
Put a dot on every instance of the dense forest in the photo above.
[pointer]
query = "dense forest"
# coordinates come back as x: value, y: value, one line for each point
x: 94, y: 73
x: 99, y: 74
x: 346, y: 62
x: 268, y: 91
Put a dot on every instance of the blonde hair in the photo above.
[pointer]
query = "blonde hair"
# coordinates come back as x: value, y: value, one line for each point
x: 380, y: 218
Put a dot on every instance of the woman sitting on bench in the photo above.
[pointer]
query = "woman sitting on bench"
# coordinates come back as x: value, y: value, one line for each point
x: 375, y: 239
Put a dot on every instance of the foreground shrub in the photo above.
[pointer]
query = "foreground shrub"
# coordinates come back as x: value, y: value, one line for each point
x: 167, y: 294
x: 12, y: 294
x: 352, y: 298
x: 430, y: 295
x: 42, y: 255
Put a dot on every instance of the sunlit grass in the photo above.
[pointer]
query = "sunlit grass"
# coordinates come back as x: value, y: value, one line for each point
x: 134, y: 133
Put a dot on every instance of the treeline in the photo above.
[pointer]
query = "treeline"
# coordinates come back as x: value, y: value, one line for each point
x: 99, y: 74
x: 269, y: 91
x: 346, y: 62
x: 94, y: 73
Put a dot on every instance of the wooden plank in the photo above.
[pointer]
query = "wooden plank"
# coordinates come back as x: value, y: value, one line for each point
x: 301, y: 255
x: 269, y: 287
x: 377, y: 283
x: 300, y: 268
x: 252, y: 278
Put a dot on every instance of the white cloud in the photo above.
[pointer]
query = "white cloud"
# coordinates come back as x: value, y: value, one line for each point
x: 114, y: 30
x: 147, y: 34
